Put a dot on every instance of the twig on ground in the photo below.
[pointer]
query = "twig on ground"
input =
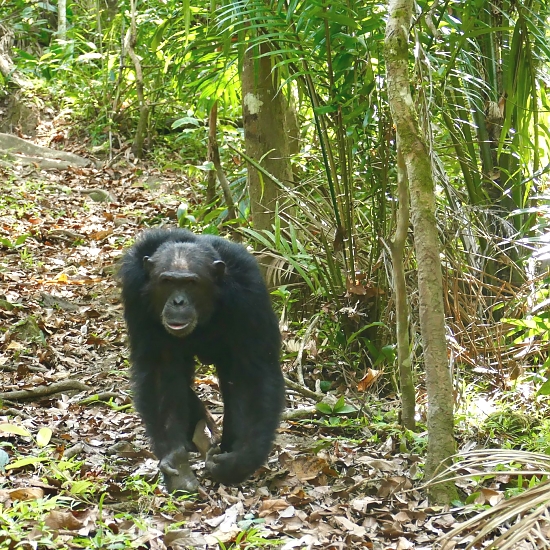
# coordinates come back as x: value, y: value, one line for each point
x: 74, y: 450
x: 43, y: 391
x: 100, y: 397
x: 15, y: 412
x: 296, y: 414
x: 306, y: 392
x: 32, y: 368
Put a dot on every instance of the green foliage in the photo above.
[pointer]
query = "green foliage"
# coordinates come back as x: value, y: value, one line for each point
x: 340, y: 407
x: 250, y: 538
x: 507, y: 423
x: 18, y: 242
x: 335, y: 39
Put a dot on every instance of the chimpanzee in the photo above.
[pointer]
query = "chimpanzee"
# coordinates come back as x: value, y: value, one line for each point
x: 188, y: 296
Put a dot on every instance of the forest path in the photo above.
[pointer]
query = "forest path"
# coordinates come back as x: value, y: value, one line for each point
x: 61, y: 235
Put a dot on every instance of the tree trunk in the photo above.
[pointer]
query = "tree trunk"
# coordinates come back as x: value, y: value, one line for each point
x: 212, y: 146
x: 130, y: 42
x: 397, y: 248
x: 266, y: 140
x: 441, y: 443
x: 62, y: 19
x: 214, y: 156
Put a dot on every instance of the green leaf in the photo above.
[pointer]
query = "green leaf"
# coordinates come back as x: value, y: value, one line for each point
x: 345, y: 409
x: 21, y: 239
x: 211, y: 230
x: 472, y: 498
x: 27, y: 461
x: 14, y: 430
x: 25, y: 55
x: 339, y: 404
x: 183, y: 208
x: 80, y: 487
x: 545, y: 388
x: 324, y: 109
x: 184, y: 121
x: 43, y: 437
x: 158, y: 36
x: 324, y: 408
x: 207, y: 166
x: 333, y: 17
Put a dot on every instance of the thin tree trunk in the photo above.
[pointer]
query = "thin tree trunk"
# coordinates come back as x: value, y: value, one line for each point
x: 265, y: 137
x: 441, y: 443
x: 212, y: 145
x: 62, y: 19
x: 130, y: 42
x: 214, y: 157
x: 397, y: 249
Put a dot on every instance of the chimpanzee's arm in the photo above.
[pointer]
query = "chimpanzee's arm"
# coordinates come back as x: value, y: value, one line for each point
x: 170, y: 410
x: 253, y: 396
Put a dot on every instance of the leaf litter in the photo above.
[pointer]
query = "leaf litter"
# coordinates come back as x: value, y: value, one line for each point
x: 75, y: 464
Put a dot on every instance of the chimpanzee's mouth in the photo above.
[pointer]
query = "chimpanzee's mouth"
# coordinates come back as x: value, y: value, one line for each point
x: 180, y: 329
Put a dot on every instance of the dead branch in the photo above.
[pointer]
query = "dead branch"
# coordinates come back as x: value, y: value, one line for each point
x: 16, y: 412
x: 31, y: 368
x: 44, y: 391
x: 296, y: 414
x: 100, y: 398
x: 306, y: 392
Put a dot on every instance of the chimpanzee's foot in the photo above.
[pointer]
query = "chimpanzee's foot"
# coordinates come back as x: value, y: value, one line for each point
x: 177, y: 473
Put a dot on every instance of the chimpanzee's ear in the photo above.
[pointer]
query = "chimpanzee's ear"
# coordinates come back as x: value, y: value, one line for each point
x: 219, y: 268
x: 148, y: 263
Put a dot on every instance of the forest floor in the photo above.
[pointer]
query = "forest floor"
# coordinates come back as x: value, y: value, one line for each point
x: 76, y: 468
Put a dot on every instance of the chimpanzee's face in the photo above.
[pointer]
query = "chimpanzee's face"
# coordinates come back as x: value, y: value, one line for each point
x: 183, y: 281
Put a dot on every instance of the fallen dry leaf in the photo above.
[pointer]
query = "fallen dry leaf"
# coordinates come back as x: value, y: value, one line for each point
x: 26, y: 493
x: 351, y: 527
x: 62, y: 519
x: 307, y: 467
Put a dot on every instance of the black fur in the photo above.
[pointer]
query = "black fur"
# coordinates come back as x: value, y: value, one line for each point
x: 236, y: 330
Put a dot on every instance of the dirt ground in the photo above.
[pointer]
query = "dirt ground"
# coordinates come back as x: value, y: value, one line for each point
x: 71, y: 437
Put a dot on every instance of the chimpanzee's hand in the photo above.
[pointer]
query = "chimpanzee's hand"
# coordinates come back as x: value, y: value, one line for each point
x: 228, y: 468
x: 177, y: 473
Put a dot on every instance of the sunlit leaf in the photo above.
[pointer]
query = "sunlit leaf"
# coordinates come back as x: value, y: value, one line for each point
x: 206, y: 166
x: 27, y: 461
x: 80, y: 487
x: 43, y: 436
x: 21, y: 239
x: 545, y: 388
x: 14, y: 430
